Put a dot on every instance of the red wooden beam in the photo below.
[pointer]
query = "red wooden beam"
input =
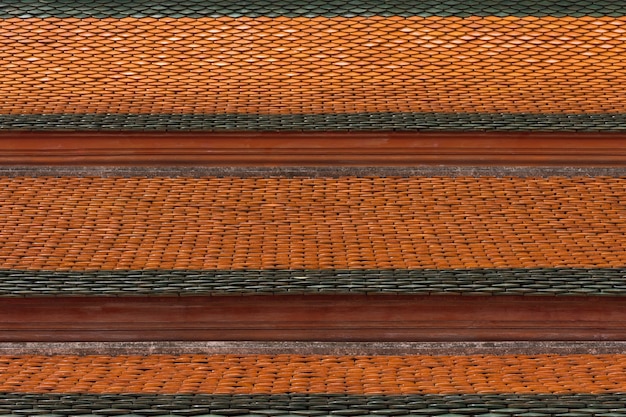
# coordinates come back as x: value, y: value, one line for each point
x: 312, y: 149
x: 321, y: 318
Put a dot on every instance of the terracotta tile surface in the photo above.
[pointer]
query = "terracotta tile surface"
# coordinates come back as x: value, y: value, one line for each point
x: 302, y: 65
x: 263, y: 374
x: 541, y: 71
x: 324, y: 223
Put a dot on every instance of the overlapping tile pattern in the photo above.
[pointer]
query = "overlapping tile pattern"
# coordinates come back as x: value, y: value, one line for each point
x: 275, y: 385
x: 137, y: 405
x: 294, y: 65
x: 295, y: 8
x: 87, y: 224
x: 232, y: 235
x: 477, y: 281
x: 315, y: 374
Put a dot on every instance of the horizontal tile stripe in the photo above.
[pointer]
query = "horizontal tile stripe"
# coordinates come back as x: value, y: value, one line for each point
x: 96, y: 223
x: 318, y: 122
x: 293, y: 8
x: 91, y: 223
x: 556, y: 281
x: 266, y: 374
x: 355, y: 65
x: 147, y: 405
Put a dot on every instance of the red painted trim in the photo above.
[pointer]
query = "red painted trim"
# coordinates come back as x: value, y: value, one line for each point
x: 322, y: 318
x: 312, y: 149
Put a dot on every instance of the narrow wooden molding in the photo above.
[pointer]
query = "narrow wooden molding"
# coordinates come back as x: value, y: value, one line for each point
x: 321, y: 318
x: 312, y: 149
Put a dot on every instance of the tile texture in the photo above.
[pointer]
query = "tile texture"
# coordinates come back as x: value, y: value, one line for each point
x: 292, y: 65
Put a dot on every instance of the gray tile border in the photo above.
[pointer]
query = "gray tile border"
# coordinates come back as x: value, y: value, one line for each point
x: 308, y: 404
x: 293, y: 8
x: 342, y: 122
x: 501, y: 282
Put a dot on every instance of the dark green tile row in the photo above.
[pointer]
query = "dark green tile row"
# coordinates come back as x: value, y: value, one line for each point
x: 312, y: 405
x: 312, y: 122
x: 252, y: 282
x: 273, y: 8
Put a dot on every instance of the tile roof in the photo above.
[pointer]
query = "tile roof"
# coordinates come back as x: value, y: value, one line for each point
x: 290, y: 385
x: 292, y: 65
x: 289, y: 405
x: 420, y: 235
x: 315, y: 374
